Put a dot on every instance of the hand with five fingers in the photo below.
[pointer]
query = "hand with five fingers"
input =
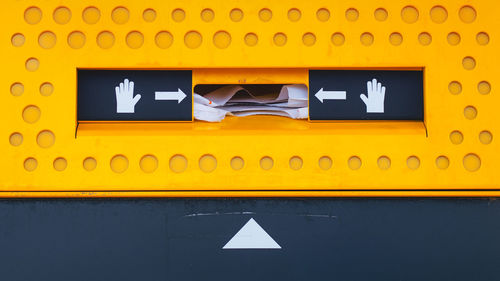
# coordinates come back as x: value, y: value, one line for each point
x: 375, y: 100
x: 125, y: 99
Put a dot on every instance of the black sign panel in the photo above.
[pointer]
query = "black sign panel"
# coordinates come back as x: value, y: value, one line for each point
x: 135, y: 95
x: 366, y: 95
x: 189, y: 239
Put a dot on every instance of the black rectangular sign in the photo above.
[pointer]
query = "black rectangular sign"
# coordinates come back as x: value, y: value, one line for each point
x: 366, y: 95
x: 327, y: 239
x: 135, y: 95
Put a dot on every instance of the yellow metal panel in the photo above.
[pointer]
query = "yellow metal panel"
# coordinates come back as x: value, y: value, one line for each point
x: 455, y: 153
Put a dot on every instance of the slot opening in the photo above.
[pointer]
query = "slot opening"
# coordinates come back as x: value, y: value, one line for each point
x: 257, y: 81
x: 216, y: 102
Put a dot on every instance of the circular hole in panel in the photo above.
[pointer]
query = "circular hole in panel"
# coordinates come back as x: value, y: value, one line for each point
x: 453, y: 38
x: 251, y: 39
x: 89, y: 164
x: 62, y: 15
x: 178, y: 163
x: 46, y: 89
x: 442, y: 162
x: 119, y: 164
x: 380, y: 14
x: 32, y: 64
x: 295, y: 163
x: 325, y: 163
x: 467, y: 14
x: 485, y: 137
x: 409, y: 14
x: 438, y: 14
x: 207, y: 15
x: 47, y: 40
x: 76, y: 39
x: 352, y: 14
x: 91, y: 15
x: 17, y: 40
x: 323, y: 14
x: 30, y: 164
x: 366, y: 39
x: 294, y: 14
x: 17, y: 89
x: 207, y: 163
x: 425, y: 39
x: 472, y: 162
x: 45, y: 139
x: 484, y: 87
x: 237, y: 163
x: 455, y: 87
x: 456, y: 137
x: 31, y: 114
x: 148, y: 163
x: 222, y: 39
x: 236, y: 15
x: 265, y: 15
x: 16, y: 139
x: 178, y: 15
x: 309, y: 39
x: 266, y: 163
x: 470, y: 112
x: 483, y: 38
x: 134, y: 39
x: 193, y: 39
x: 149, y: 15
x: 60, y: 164
x: 279, y: 39
x: 354, y: 162
x: 384, y: 163
x: 105, y: 40
x: 120, y: 15
x: 396, y: 39
x: 164, y: 39
x: 469, y: 63
x: 413, y: 162
x: 338, y: 39
x: 33, y: 15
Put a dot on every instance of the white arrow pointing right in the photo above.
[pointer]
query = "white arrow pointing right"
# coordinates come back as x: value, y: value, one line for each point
x: 330, y: 95
x: 177, y: 95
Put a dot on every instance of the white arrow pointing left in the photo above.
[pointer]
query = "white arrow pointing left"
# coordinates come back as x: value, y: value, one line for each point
x: 177, y: 95
x: 330, y: 95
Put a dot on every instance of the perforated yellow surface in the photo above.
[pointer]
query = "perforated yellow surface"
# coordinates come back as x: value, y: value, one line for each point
x: 454, y: 153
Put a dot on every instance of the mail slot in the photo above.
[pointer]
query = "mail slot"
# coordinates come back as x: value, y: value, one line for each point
x: 167, y: 95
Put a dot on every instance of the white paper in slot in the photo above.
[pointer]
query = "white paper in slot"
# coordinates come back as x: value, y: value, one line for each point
x: 291, y: 101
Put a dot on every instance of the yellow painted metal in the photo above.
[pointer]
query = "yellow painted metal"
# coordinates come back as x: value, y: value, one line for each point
x: 455, y: 153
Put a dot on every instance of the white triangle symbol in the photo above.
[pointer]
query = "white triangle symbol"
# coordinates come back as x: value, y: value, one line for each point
x: 252, y: 236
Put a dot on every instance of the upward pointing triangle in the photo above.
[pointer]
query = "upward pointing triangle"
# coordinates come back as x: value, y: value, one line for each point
x: 251, y: 236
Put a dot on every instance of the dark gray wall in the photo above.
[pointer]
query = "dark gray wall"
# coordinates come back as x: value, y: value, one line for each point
x: 182, y: 239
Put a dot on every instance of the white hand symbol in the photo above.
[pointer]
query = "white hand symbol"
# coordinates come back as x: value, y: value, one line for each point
x: 125, y: 100
x: 376, y: 95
